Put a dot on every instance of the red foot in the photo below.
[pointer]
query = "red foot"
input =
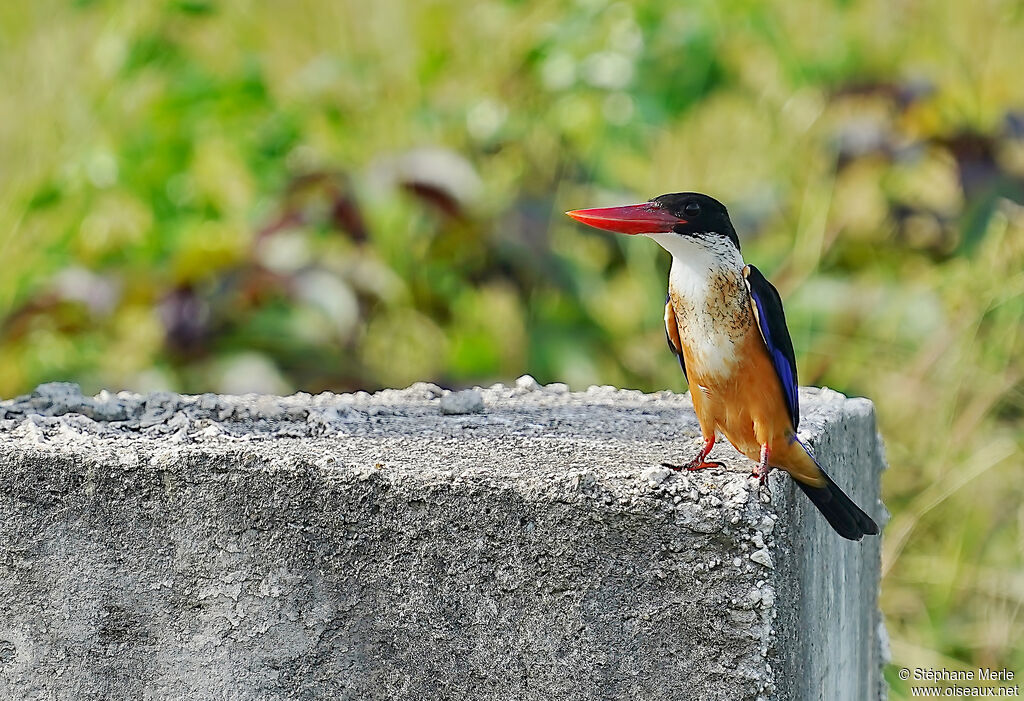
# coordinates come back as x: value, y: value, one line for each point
x: 762, y: 471
x: 698, y: 463
x: 692, y: 465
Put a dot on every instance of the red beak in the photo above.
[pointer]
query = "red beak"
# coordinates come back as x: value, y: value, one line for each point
x: 646, y: 218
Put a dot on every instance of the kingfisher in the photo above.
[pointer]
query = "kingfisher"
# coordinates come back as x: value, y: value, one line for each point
x: 725, y: 323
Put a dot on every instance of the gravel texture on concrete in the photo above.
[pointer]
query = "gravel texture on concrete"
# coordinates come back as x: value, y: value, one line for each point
x: 513, y: 543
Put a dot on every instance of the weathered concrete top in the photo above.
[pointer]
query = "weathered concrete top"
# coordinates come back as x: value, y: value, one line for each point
x: 411, y: 433
x: 390, y: 545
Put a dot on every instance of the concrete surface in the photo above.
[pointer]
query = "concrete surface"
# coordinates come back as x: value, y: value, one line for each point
x: 371, y: 547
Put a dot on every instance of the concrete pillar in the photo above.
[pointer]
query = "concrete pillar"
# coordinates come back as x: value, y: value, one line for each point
x: 409, y: 545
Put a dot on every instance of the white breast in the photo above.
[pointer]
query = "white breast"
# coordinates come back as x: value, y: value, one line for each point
x: 710, y: 301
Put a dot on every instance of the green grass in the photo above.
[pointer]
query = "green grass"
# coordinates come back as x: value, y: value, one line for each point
x: 178, y: 183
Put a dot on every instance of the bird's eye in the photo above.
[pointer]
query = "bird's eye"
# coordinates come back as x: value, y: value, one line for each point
x: 692, y: 209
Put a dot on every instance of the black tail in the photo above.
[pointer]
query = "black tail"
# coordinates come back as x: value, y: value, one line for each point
x: 842, y: 514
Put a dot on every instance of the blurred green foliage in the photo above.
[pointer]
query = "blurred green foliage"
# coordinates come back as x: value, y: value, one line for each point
x: 316, y: 194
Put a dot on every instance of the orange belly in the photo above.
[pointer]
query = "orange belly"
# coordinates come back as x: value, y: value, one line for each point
x: 748, y: 407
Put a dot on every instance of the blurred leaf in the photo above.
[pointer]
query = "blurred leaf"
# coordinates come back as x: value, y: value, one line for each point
x: 194, y: 7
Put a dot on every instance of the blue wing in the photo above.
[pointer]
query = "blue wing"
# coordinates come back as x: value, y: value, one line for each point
x: 771, y: 320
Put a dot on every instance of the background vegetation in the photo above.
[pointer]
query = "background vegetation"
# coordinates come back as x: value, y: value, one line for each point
x: 327, y: 194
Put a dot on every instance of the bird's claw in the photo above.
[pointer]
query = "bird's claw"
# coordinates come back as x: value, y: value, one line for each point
x: 761, y: 473
x: 692, y: 465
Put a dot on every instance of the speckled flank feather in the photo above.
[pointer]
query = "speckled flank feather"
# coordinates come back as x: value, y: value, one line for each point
x: 709, y: 297
x: 713, y: 320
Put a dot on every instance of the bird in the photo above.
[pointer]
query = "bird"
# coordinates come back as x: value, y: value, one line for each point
x: 725, y: 323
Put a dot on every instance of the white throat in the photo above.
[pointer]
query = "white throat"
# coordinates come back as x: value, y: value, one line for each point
x: 700, y: 252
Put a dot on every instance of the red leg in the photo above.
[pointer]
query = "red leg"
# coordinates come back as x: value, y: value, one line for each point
x: 763, y: 469
x: 699, y: 462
